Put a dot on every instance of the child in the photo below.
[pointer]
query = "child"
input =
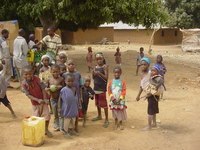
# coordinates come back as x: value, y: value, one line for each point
x: 117, y: 93
x: 63, y: 69
x: 45, y: 73
x: 89, y: 58
x: 162, y: 69
x: 69, y: 100
x: 3, y: 96
x: 118, y: 57
x: 152, y: 100
x: 100, y: 76
x: 62, y: 58
x: 87, y: 93
x: 78, y: 83
x: 34, y: 90
x: 140, y: 55
x: 55, y: 84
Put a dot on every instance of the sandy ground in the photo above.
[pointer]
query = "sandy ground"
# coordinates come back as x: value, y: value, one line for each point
x: 179, y: 127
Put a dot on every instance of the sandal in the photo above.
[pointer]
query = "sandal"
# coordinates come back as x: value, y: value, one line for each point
x: 96, y: 119
x: 106, y: 124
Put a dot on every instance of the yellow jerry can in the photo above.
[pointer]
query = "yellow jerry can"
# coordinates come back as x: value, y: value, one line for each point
x: 33, y: 131
x: 30, y: 55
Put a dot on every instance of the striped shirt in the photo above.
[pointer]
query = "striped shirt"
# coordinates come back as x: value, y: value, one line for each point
x: 52, y: 43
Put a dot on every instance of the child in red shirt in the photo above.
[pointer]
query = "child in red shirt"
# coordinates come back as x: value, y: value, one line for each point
x: 34, y: 90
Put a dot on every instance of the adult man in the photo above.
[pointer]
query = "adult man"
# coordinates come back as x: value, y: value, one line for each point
x: 20, y: 54
x: 5, y: 56
x: 52, y: 41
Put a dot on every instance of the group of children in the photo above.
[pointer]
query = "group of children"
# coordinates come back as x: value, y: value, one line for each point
x: 61, y: 86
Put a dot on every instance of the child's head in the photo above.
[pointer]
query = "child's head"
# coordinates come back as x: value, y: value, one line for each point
x: 145, y: 63
x: 141, y: 49
x: 154, y: 71
x: 28, y: 73
x: 55, y: 71
x: 1, y: 67
x: 71, y: 65
x: 45, y: 60
x: 32, y: 37
x: 159, y: 59
x: 69, y: 80
x: 87, y: 81
x: 117, y: 72
x: 89, y: 49
x: 117, y: 49
x: 99, y: 58
x: 63, y: 68
x: 62, y: 57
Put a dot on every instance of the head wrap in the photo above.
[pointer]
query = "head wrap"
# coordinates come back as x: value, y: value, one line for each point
x: 146, y: 60
x: 45, y: 56
x: 31, y: 35
x: 62, y: 53
x: 99, y: 55
x: 157, y: 68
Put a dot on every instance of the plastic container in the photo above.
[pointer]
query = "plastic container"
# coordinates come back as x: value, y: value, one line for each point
x: 33, y: 131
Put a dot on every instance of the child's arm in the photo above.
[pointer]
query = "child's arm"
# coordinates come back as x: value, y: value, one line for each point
x: 123, y: 93
x: 105, y: 77
x: 139, y: 93
x: 109, y: 88
x: 30, y: 96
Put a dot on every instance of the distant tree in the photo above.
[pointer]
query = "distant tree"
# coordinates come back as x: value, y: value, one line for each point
x: 74, y: 14
x: 184, y: 13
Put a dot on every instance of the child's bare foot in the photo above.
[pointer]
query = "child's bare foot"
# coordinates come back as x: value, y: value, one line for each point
x: 155, y: 127
x: 121, y: 127
x: 49, y: 134
x: 84, y: 124
x: 56, y: 128
x: 14, y: 116
x: 62, y: 131
x: 68, y: 136
x: 74, y: 133
x: 146, y: 128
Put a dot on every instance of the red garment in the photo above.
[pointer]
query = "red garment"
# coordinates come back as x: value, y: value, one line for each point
x: 100, y: 100
x: 34, y: 89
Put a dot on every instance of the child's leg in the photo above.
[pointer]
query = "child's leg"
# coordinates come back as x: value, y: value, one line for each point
x: 121, y: 126
x: 75, y: 123
x: 116, y: 124
x: 47, y: 132
x: 54, y: 104
x: 99, y: 112
x: 137, y: 69
x: 106, y: 123
x: 84, y: 117
x: 11, y: 110
x: 66, y: 127
x: 154, y: 121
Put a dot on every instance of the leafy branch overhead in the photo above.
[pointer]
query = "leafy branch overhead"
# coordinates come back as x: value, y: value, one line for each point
x: 74, y: 14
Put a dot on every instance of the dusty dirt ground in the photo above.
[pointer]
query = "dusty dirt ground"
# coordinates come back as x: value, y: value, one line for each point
x: 179, y: 112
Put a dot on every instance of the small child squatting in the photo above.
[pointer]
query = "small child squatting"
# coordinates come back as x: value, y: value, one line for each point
x: 117, y: 93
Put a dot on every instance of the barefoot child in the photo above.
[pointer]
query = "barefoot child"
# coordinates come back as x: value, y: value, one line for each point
x: 152, y: 102
x: 78, y: 83
x: 69, y: 99
x: 3, y: 96
x: 35, y: 91
x: 55, y: 84
x: 117, y: 55
x: 89, y: 59
x: 162, y: 69
x: 140, y: 55
x: 87, y: 93
x: 117, y: 93
x: 100, y: 76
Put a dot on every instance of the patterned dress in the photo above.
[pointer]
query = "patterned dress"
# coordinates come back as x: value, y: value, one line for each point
x: 117, y: 92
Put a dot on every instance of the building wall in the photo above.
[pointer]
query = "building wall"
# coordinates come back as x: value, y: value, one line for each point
x: 88, y: 36
x: 134, y: 35
x: 167, y: 36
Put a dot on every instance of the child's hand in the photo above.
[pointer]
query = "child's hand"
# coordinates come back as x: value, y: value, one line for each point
x: 40, y: 101
x: 46, y: 101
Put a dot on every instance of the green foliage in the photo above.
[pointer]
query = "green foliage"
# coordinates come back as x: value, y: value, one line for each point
x: 74, y: 14
x: 184, y: 13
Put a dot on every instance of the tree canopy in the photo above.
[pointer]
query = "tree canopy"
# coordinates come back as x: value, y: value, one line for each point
x: 184, y: 13
x: 74, y: 14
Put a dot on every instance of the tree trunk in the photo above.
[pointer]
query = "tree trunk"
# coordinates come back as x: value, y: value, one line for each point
x: 46, y: 23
